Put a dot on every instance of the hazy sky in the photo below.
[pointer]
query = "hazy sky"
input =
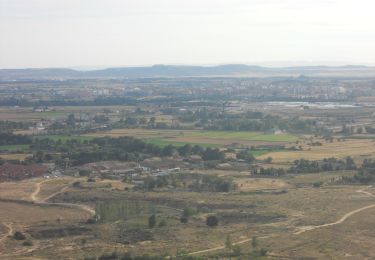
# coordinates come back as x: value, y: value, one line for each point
x: 69, y: 33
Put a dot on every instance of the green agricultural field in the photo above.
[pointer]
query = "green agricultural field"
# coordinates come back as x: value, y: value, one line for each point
x: 248, y: 136
x: 163, y: 137
x: 163, y: 142
x: 261, y: 152
x: 257, y: 153
x: 53, y: 113
x: 18, y: 147
x: 65, y: 138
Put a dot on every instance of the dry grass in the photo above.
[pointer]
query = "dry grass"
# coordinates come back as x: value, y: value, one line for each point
x: 224, y: 141
x: 301, y: 207
x: 201, y: 137
x: 252, y: 184
x: 359, y: 149
x: 22, y: 190
x: 115, y: 184
x: 24, y: 132
x: 26, y: 214
x: 353, y: 239
x: 143, y: 133
x: 53, y: 186
x: 17, y: 190
x: 27, y: 113
x: 15, y: 156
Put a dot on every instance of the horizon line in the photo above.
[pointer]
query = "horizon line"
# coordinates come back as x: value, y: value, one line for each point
x: 258, y: 64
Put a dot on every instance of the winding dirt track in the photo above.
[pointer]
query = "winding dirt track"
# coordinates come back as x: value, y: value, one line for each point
x: 34, y: 198
x: 302, y: 229
x: 10, y: 231
x: 343, y: 218
x: 223, y: 247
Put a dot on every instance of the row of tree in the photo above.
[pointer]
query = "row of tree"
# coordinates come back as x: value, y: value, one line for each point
x: 328, y: 164
x: 79, y: 151
x: 308, y: 166
x: 7, y: 126
x: 7, y: 138
x: 364, y: 175
x: 189, y: 182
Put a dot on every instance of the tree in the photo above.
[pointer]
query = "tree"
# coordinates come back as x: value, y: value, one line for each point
x: 149, y: 184
x: 212, y: 221
x: 71, y: 121
x: 350, y: 164
x: 318, y: 184
x: 169, y: 150
x: 245, y: 155
x: 185, y: 150
x: 228, y: 242
x: 151, y: 122
x: 212, y: 154
x: 254, y: 242
x: 27, y: 243
x: 99, y: 119
x: 263, y: 252
x: 236, y: 250
x: 197, y: 149
x: 19, y: 235
x: 184, y: 219
x: 143, y: 121
x: 162, y: 223
x: 131, y: 121
x: 39, y: 156
x: 152, y: 221
x: 84, y: 172
x: 188, y: 212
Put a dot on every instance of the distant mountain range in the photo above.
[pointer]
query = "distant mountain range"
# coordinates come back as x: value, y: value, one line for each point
x: 230, y: 70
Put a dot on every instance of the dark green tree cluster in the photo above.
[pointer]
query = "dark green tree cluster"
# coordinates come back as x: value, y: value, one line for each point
x: 7, y: 126
x: 131, y: 149
x: 197, y: 183
x: 261, y: 123
x: 212, y: 221
x: 186, y: 214
x: 121, y: 210
x: 364, y: 175
x: 129, y: 256
x: 328, y: 164
x: 12, y: 139
x: 211, y: 183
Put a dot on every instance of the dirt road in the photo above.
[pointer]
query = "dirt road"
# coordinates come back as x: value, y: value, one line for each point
x: 36, y: 200
x: 223, y: 247
x: 343, y: 218
x: 33, y: 196
x: 10, y: 231
x: 301, y: 229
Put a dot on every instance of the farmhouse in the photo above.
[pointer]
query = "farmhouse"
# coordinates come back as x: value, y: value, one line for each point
x: 161, y: 172
x: 274, y: 131
x: 230, y: 156
x: 115, y: 170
